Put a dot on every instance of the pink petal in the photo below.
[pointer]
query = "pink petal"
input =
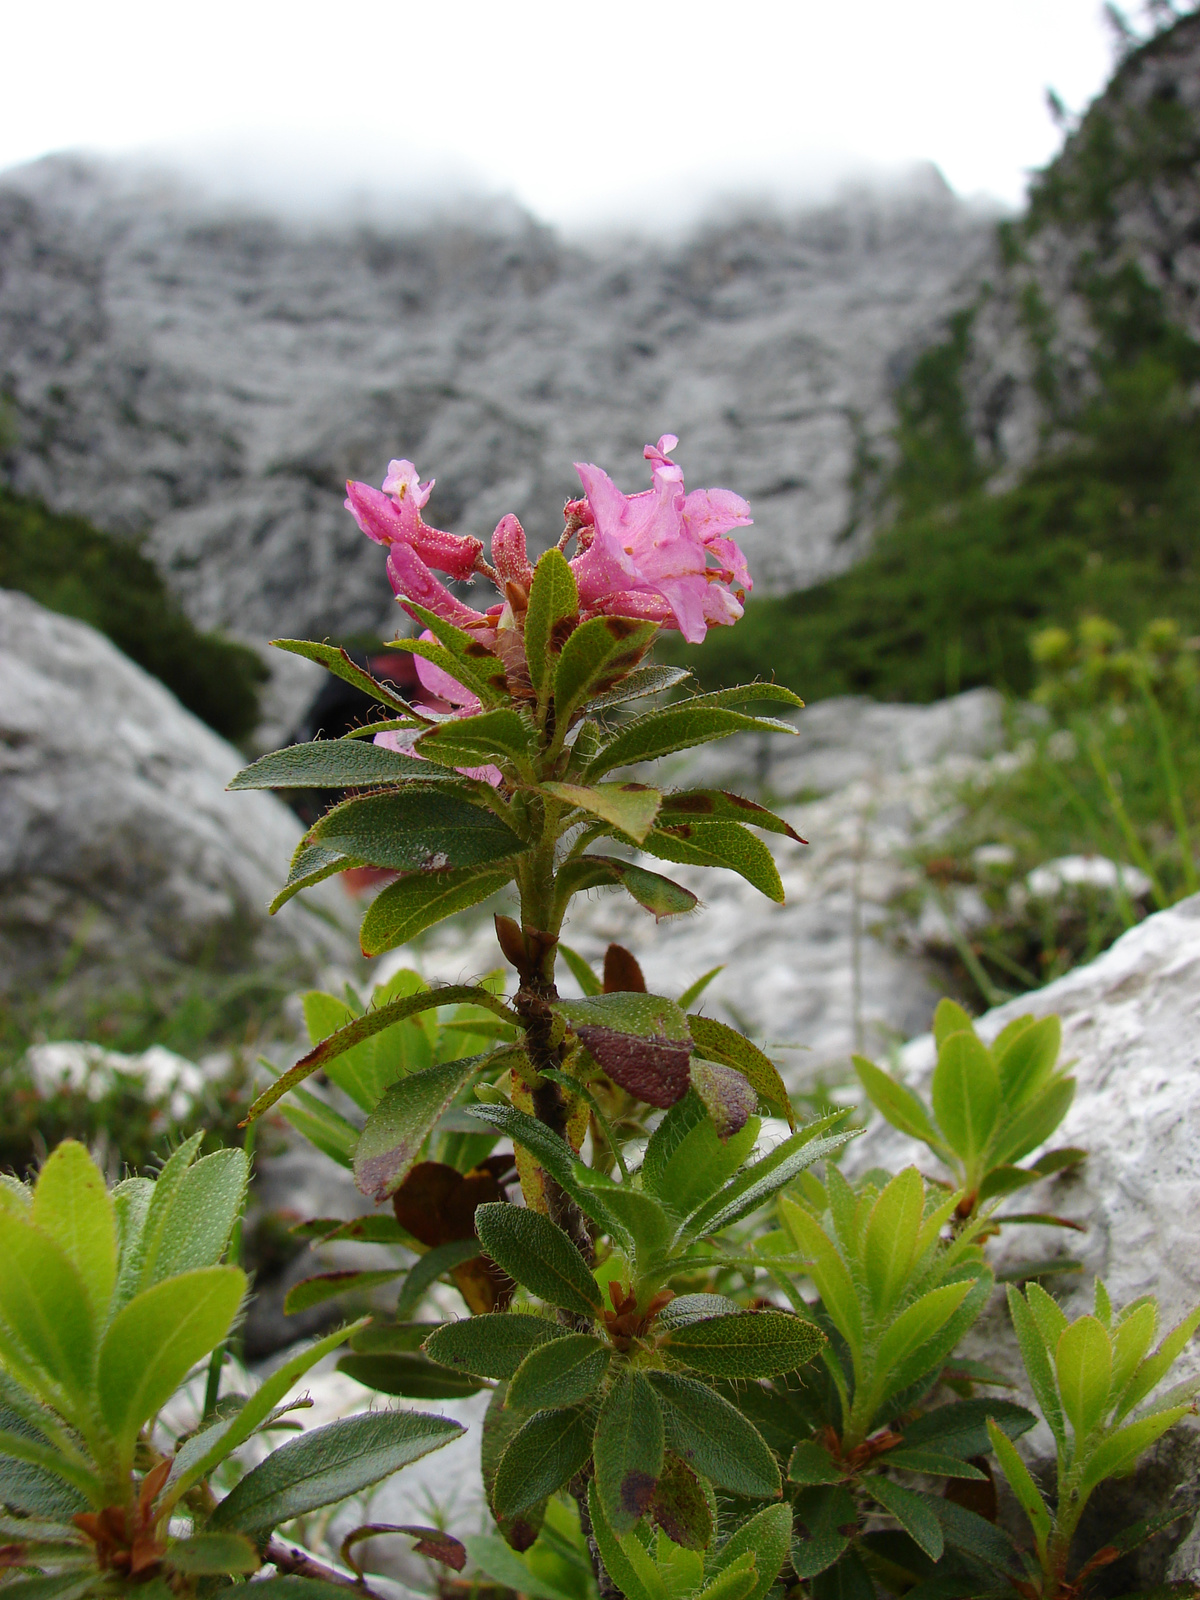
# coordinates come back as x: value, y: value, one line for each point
x: 403, y: 483
x: 642, y: 604
x: 452, y: 553
x: 509, y: 556
x: 441, y: 685
x: 411, y: 579
x: 732, y: 559
x: 375, y: 514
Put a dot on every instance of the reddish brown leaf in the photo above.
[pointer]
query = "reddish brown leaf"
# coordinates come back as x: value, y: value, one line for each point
x: 653, y: 1070
x: 972, y: 1493
x: 680, y: 1506
x: 622, y: 974
x: 436, y: 1204
x: 430, y: 1542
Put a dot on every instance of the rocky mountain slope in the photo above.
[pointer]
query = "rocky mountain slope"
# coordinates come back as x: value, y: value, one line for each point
x: 210, y: 379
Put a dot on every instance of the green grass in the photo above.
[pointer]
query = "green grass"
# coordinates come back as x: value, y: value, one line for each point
x: 69, y: 566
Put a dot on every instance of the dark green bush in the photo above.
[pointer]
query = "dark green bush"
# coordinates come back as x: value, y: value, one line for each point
x: 69, y: 566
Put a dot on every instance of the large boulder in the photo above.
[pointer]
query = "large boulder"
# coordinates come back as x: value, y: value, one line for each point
x: 122, y: 857
x: 1131, y: 1026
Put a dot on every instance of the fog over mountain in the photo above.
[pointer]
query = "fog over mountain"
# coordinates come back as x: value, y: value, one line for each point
x: 205, y: 376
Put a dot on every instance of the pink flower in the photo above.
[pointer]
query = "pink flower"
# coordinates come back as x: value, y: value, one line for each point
x: 648, y: 554
x: 393, y: 516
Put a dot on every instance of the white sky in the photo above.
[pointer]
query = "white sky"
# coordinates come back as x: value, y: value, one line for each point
x: 587, y: 113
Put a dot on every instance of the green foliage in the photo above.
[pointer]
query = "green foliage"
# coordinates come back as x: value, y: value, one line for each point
x: 108, y: 1301
x: 992, y: 1105
x: 69, y: 566
x: 1095, y: 1381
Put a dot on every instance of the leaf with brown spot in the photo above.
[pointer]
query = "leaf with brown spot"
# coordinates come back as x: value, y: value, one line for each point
x: 717, y: 844
x: 680, y: 1506
x: 597, y: 656
x: 716, y: 1041
x: 720, y: 805
x: 628, y: 1450
x: 728, y: 1098
x: 630, y: 808
x: 500, y: 1427
x: 403, y: 1120
x: 622, y: 974
x: 662, y: 897
x: 654, y: 1072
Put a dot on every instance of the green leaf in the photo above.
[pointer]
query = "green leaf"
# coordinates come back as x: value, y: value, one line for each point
x: 966, y: 1095
x: 826, y: 1269
x: 897, y: 1104
x: 310, y: 864
x: 596, y: 656
x: 912, y: 1512
x: 767, y: 1535
x: 581, y: 971
x: 556, y: 1155
x: 59, y: 1586
x: 693, y: 991
x: 1131, y: 1337
x: 662, y: 733
x: 417, y: 830
x: 403, y: 1120
x: 323, y: 1127
x: 630, y: 807
x: 1083, y: 1361
x: 410, y: 1374
x: 890, y: 1241
x: 1048, y: 1314
x: 213, y: 1554
x: 821, y: 1516
x: 967, y: 1531
x: 642, y: 681
x: 753, y: 1344
x: 1035, y: 1122
x: 45, y: 1304
x: 686, y: 1163
x: 1005, y: 1180
x: 71, y: 1203
x: 482, y: 676
x: 374, y: 1064
x: 949, y: 1018
x: 1119, y: 1453
x: 1028, y: 1494
x: 500, y: 1427
x: 375, y: 1021
x: 1037, y: 1364
x: 933, y: 1463
x: 1027, y: 1061
x: 197, y: 1225
x: 333, y: 764
x: 628, y: 1449
x: 717, y: 844
x: 154, y: 1342
x: 496, y: 1561
x: 324, y: 1286
x: 960, y: 1428
x: 747, y: 694
x: 46, y: 1462
x: 718, y: 1042
x: 434, y: 1264
x: 812, y: 1464
x: 645, y: 1223
x: 553, y: 608
x: 471, y: 655
x: 627, y: 1561
x: 330, y: 1464
x: 335, y: 660
x: 918, y: 1323
x: 654, y: 893
x: 538, y: 1255
x: 545, y: 1453
x: 714, y: 1437
x: 757, y: 1183
x: 561, y: 1372
x: 648, y: 1016
x: 201, y: 1454
x: 719, y: 805
x: 736, y: 1582
x: 922, y: 1364
x: 416, y: 902
x: 1154, y: 1368
x: 492, y: 1346
x: 487, y: 737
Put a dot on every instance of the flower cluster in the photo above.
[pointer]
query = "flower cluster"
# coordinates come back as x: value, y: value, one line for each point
x: 662, y: 555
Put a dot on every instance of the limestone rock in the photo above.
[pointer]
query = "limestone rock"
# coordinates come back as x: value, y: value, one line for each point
x: 118, y: 841
x: 1131, y: 1025
x: 210, y: 378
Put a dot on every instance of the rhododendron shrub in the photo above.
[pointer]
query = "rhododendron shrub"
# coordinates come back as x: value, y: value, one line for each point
x: 683, y: 1324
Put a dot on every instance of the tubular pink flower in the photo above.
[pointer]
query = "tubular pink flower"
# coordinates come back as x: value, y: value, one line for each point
x: 411, y: 579
x: 509, y: 556
x: 657, y: 545
x: 442, y: 686
x: 398, y: 521
x: 403, y: 483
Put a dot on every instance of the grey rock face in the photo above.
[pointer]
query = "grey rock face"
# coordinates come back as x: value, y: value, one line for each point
x: 116, y: 834
x: 1131, y: 1025
x: 1124, y: 193
x: 211, y: 379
